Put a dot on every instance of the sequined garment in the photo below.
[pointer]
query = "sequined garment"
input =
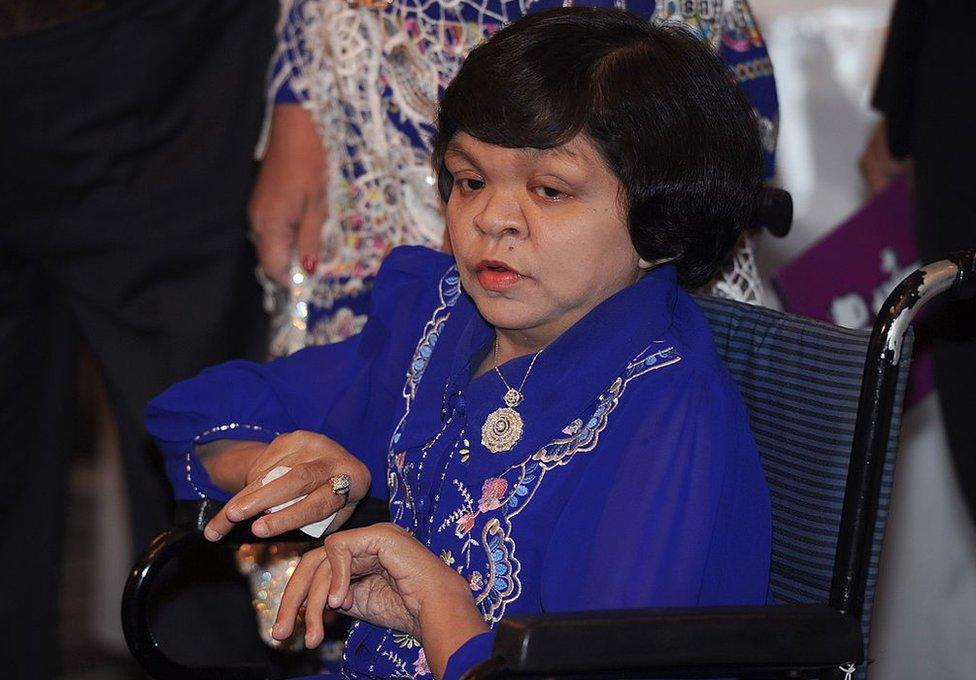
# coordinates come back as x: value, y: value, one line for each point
x: 371, y: 77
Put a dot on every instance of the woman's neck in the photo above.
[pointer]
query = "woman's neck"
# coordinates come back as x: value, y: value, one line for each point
x: 509, y: 345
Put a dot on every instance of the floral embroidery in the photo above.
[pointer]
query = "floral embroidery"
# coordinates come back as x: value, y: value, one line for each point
x: 465, y: 523
x: 502, y: 583
x: 449, y: 292
x: 405, y: 641
x: 502, y: 496
x: 581, y: 436
x: 491, y: 494
x: 420, y: 666
x: 659, y: 359
x: 521, y: 489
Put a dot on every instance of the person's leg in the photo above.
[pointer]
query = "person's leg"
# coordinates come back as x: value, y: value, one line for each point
x: 142, y: 192
x: 36, y: 369
x: 168, y: 311
x: 946, y: 222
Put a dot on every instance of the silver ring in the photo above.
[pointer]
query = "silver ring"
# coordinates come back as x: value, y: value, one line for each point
x: 341, y: 484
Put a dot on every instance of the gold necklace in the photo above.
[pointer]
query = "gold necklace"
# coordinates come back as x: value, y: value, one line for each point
x: 503, y: 427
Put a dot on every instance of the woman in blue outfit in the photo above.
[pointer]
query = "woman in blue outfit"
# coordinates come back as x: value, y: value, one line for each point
x: 544, y: 411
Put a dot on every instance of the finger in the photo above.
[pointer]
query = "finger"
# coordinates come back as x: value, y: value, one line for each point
x: 316, y: 602
x: 308, y: 240
x: 259, y: 496
x: 319, y: 504
x: 218, y: 526
x: 239, y: 508
x: 228, y: 516
x: 295, y: 593
x: 274, y: 254
x: 340, y: 559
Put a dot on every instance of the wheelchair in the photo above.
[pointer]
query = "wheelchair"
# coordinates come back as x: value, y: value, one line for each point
x: 825, y: 408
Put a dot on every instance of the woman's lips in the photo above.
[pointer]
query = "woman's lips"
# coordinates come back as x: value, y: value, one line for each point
x: 496, y: 276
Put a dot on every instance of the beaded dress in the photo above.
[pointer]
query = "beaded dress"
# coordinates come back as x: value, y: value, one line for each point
x: 636, y: 483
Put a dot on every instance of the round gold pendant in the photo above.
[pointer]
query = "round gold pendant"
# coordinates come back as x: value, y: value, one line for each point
x: 502, y: 430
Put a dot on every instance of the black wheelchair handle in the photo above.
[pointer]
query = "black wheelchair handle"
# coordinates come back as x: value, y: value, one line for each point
x: 774, y: 212
x: 190, y: 519
x: 964, y: 285
x: 135, y: 615
x: 954, y: 276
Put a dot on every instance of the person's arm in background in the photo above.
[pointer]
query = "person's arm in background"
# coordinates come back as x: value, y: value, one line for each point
x: 888, y: 151
x: 288, y: 203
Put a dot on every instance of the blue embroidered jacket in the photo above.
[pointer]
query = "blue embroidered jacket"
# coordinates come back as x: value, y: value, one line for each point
x: 636, y: 482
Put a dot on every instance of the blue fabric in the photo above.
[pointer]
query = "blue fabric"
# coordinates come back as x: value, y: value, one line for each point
x: 474, y: 651
x: 636, y: 483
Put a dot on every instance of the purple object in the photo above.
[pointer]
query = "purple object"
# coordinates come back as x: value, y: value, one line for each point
x: 845, y: 277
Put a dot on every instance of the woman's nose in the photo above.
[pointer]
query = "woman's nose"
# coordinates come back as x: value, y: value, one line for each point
x: 501, y: 215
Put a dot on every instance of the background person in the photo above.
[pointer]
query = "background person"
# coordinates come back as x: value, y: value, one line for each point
x: 346, y: 173
x: 125, y: 136
x: 927, y: 130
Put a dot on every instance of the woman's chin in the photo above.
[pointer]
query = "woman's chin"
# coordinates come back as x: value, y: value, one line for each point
x: 502, y: 315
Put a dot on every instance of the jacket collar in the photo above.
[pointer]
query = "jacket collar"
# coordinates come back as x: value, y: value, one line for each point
x: 569, y: 374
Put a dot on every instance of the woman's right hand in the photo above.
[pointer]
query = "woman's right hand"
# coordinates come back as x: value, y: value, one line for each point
x: 314, y: 460
x: 288, y: 203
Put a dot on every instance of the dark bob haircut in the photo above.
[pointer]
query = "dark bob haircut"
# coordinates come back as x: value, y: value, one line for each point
x: 662, y: 110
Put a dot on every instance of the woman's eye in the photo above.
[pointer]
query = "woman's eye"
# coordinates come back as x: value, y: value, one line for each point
x: 549, y: 192
x: 468, y: 184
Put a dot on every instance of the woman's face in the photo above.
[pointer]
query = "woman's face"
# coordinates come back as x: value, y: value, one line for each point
x: 540, y: 236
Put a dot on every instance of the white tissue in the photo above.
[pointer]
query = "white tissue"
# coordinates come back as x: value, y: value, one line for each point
x: 315, y: 529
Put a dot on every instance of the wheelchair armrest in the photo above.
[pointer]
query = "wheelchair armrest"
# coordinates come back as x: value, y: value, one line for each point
x: 686, y: 642
x: 190, y: 519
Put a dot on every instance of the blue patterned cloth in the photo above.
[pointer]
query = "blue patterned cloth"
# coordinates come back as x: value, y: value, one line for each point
x: 727, y: 25
x: 381, y: 190
x: 636, y: 482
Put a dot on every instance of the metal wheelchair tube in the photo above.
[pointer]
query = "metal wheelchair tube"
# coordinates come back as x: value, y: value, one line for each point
x: 956, y: 275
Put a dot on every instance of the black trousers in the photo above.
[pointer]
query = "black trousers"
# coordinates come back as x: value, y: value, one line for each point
x: 126, y: 141
x: 944, y: 148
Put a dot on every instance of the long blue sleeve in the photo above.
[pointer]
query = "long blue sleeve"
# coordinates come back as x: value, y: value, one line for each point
x: 348, y: 391
x: 468, y: 655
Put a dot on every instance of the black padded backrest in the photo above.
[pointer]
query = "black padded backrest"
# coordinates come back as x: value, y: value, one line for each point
x: 801, y: 381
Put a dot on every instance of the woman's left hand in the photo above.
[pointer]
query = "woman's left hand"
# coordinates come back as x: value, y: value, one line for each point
x: 383, y: 575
